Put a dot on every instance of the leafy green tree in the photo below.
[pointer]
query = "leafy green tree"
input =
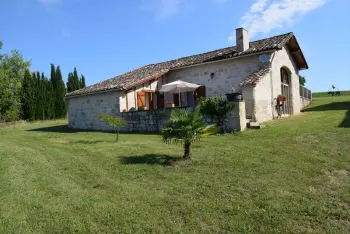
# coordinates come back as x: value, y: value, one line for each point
x: 113, y: 121
x: 302, y: 80
x: 216, y: 108
x: 12, y: 69
x: 186, y: 127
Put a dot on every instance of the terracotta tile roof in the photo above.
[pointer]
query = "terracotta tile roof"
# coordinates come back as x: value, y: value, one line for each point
x: 148, y: 72
x: 256, y: 76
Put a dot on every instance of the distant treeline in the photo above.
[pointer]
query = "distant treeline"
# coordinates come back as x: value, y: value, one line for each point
x: 31, y: 95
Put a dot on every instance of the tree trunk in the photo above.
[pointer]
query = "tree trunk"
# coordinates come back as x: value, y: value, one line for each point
x: 187, y: 147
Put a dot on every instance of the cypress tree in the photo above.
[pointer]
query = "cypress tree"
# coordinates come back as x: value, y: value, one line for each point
x: 53, y: 82
x: 25, y: 95
x: 70, y: 82
x: 60, y: 104
x: 82, y: 82
x: 53, y: 75
x: 51, y: 100
x: 76, y: 82
x: 44, y: 97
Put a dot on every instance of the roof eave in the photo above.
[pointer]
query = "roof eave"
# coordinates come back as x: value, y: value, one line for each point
x: 90, y: 93
x: 302, y: 65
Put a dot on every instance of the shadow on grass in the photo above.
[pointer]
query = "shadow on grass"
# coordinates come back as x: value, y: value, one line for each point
x: 58, y: 129
x: 151, y: 159
x: 334, y: 106
x: 66, y: 129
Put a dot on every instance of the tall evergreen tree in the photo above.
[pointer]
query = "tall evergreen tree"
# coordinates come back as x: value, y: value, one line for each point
x: 53, y: 75
x: 26, y: 101
x: 82, y: 82
x: 60, y: 104
x: 70, y: 86
x: 76, y: 82
x: 35, y: 97
x: 51, y: 100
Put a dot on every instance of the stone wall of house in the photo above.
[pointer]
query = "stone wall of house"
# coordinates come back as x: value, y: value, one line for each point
x: 83, y: 110
x: 304, y: 102
x: 283, y: 58
x: 83, y: 114
x: 226, y: 75
x: 263, y: 100
x: 266, y: 91
x: 155, y: 120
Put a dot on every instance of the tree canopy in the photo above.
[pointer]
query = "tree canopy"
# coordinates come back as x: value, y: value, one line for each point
x: 31, y: 95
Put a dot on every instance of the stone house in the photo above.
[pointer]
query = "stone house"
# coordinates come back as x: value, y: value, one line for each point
x: 260, y: 70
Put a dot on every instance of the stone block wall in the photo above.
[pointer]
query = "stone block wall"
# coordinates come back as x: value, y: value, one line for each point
x: 154, y: 120
x: 83, y: 110
x: 304, y: 102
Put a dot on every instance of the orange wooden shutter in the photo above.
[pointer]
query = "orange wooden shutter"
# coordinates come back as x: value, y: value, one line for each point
x: 150, y: 101
x: 141, y: 99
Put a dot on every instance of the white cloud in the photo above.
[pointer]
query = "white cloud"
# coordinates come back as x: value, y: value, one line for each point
x: 163, y: 8
x: 266, y: 15
x: 50, y: 1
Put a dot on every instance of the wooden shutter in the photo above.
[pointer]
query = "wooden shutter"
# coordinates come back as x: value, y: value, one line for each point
x: 150, y: 101
x: 141, y: 99
x: 160, y: 101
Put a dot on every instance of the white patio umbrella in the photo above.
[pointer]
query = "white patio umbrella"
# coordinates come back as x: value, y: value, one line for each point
x: 178, y: 87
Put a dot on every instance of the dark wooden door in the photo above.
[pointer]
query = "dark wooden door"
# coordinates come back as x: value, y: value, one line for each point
x: 199, y: 93
x: 176, y: 99
x: 160, y: 101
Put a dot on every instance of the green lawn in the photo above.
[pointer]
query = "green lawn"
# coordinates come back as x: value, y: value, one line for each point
x: 325, y: 94
x: 291, y: 177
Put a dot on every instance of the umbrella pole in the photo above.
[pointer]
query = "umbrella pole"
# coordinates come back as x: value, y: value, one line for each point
x: 179, y: 98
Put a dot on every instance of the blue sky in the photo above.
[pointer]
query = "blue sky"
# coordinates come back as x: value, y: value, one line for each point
x: 108, y: 37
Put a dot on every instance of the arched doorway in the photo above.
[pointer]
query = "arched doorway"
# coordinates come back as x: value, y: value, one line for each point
x: 286, y: 90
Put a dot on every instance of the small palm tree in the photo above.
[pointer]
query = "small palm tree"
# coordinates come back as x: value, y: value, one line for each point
x: 186, y: 127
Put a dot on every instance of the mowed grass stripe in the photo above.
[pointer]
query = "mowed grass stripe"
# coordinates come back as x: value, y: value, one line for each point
x: 291, y: 176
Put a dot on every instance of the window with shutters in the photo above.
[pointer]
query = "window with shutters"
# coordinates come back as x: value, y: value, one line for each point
x: 145, y: 100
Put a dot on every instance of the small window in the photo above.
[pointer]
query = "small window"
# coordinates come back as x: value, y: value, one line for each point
x: 284, y: 76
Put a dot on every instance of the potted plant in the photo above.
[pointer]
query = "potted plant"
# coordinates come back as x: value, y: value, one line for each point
x: 143, y: 107
x: 281, y: 99
x: 171, y: 104
x: 234, y: 96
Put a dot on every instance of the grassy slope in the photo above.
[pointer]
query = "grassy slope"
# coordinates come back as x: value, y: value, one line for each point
x: 292, y: 176
x: 325, y: 94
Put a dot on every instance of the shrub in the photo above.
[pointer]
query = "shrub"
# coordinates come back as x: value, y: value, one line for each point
x: 216, y: 109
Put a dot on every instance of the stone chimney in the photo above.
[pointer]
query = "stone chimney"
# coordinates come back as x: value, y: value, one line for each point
x: 242, y: 40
